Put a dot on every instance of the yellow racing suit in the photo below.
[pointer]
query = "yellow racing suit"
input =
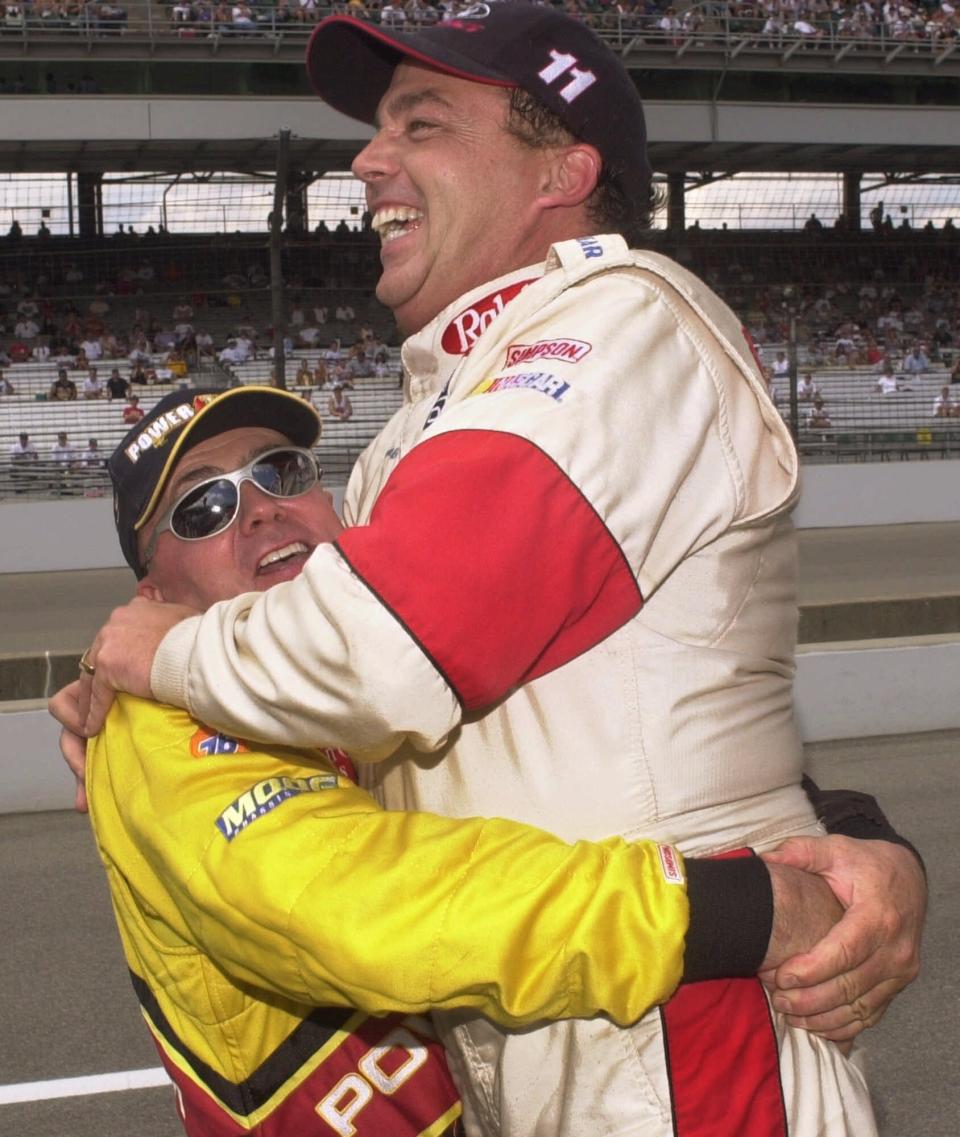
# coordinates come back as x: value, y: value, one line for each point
x: 285, y: 935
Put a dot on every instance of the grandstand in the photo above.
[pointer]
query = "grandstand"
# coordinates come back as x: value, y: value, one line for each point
x: 143, y: 169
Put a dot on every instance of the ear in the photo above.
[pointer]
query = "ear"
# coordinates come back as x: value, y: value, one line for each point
x: 150, y: 591
x: 572, y: 175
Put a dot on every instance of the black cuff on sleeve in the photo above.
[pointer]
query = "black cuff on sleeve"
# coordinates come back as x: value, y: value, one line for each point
x: 854, y: 814
x: 731, y: 918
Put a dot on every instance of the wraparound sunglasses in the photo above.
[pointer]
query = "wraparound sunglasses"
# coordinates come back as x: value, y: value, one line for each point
x: 212, y: 505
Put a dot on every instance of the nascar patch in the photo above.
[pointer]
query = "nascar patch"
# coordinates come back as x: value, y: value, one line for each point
x: 541, y: 381
x: 568, y: 351
x: 266, y: 796
x: 205, y: 743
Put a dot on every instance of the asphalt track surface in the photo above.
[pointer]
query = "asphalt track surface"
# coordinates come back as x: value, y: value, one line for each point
x: 69, y: 1023
x: 68, y: 1010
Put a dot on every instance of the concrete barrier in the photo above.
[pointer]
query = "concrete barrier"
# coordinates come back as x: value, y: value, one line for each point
x: 851, y: 690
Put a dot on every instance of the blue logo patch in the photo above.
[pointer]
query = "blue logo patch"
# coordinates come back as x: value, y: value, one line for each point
x: 542, y: 381
x: 591, y: 247
x: 265, y: 796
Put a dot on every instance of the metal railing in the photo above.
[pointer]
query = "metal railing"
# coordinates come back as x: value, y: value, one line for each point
x: 704, y: 29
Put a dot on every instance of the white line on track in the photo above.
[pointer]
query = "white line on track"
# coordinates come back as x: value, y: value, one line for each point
x: 81, y: 1087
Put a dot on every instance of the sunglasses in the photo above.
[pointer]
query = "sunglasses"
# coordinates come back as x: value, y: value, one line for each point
x: 213, y: 505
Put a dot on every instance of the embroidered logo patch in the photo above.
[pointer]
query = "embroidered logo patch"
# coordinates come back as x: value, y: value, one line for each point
x: 205, y: 743
x: 591, y: 247
x: 342, y: 761
x: 265, y: 796
x: 670, y: 864
x: 568, y: 351
x: 465, y: 328
x: 541, y: 381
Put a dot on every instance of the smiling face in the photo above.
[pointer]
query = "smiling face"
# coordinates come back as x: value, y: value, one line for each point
x: 269, y: 541
x: 456, y: 199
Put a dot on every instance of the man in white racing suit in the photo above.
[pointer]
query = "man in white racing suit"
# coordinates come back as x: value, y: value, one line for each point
x: 567, y: 593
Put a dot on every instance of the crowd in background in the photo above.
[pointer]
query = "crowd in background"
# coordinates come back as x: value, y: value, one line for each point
x: 771, y: 22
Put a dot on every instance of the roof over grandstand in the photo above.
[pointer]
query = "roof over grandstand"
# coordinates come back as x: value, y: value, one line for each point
x: 186, y: 133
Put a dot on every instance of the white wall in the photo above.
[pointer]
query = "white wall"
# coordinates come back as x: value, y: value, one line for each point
x: 879, y: 493
x: 49, y: 536
x: 841, y: 693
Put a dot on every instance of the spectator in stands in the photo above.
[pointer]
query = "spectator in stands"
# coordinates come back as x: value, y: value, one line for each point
x: 781, y: 366
x: 203, y: 342
x: 813, y: 224
x: 90, y: 346
x: 164, y: 340
x: 63, y: 457
x: 93, y: 457
x: 304, y: 376
x: 6, y: 387
x: 345, y: 313
x: 23, y: 459
x: 359, y: 365
x: 806, y: 388
x: 175, y: 361
x: 117, y: 386
x: 944, y: 405
x: 392, y: 15
x: 338, y: 405
x: 307, y: 335
x: 320, y: 315
x: 182, y: 311
x: 242, y: 18
x: 817, y: 417
x: 133, y: 412
x: 238, y: 350
x: 40, y: 352
x: 26, y: 328
x: 297, y: 315
x: 140, y: 353
x: 889, y: 383
x: 63, y: 388
x: 916, y: 361
x: 320, y: 374
x: 91, y: 388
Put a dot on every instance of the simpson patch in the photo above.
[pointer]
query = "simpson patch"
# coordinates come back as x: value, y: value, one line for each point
x: 265, y: 796
x: 541, y: 381
x: 568, y: 351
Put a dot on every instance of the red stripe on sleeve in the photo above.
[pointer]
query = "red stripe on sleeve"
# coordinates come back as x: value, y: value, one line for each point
x: 493, y: 560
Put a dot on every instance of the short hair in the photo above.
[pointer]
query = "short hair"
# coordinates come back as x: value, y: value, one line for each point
x: 608, y: 207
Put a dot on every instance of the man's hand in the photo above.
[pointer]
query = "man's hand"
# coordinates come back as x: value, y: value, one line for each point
x: 121, y: 656
x: 64, y: 707
x: 804, y: 912
x: 847, y: 981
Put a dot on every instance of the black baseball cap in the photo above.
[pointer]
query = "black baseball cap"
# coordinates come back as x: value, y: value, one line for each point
x: 506, y: 44
x: 142, y: 463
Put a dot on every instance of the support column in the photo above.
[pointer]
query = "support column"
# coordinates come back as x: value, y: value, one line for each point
x: 295, y: 204
x: 89, y: 204
x: 676, y: 213
x: 851, y: 200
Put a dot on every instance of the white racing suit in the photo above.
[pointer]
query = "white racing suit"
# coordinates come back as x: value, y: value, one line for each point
x: 567, y: 597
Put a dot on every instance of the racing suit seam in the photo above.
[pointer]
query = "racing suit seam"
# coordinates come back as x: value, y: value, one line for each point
x: 704, y: 359
x: 411, y: 635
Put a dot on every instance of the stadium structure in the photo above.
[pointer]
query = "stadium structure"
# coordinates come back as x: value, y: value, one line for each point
x: 164, y: 156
